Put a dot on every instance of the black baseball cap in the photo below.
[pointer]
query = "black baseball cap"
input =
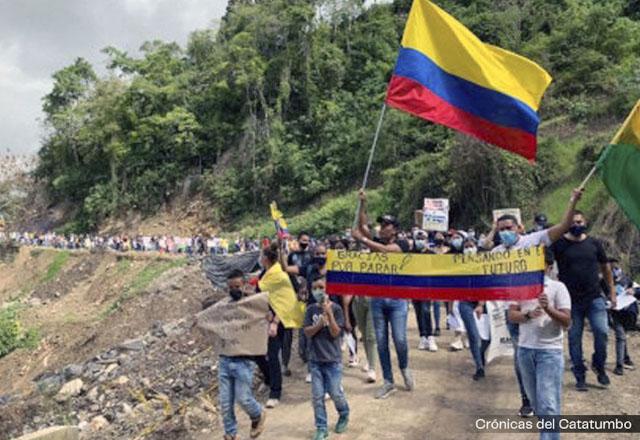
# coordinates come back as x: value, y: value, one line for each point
x: 389, y: 220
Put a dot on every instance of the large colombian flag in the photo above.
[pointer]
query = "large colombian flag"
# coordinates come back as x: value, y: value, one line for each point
x: 446, y: 75
x: 514, y: 275
x: 619, y: 166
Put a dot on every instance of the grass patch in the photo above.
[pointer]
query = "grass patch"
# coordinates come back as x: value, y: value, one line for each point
x: 555, y: 202
x: 12, y: 335
x: 142, y: 280
x: 59, y: 260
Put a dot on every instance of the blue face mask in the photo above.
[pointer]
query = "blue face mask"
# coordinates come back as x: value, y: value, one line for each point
x: 508, y: 238
x: 318, y: 295
x: 456, y: 243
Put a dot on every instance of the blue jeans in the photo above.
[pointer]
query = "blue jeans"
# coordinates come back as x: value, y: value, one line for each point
x: 596, y: 312
x: 392, y: 312
x: 514, y: 332
x: 542, y: 376
x: 235, y: 379
x: 622, y: 355
x: 326, y: 377
x: 477, y: 346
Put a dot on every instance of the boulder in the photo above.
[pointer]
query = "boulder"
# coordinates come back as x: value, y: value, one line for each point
x: 69, y: 389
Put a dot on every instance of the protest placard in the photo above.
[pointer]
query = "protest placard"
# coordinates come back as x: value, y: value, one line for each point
x: 239, y: 328
x: 501, y: 344
x: 435, y: 215
x: 497, y: 213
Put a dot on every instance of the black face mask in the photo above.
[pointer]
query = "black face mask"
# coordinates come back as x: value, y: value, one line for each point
x: 320, y: 261
x: 577, y: 230
x: 235, y: 294
x: 303, y: 246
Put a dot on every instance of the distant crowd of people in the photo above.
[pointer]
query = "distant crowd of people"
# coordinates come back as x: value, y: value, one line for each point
x: 196, y: 245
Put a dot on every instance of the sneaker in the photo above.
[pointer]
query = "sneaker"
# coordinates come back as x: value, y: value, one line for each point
x: 408, y: 379
x: 437, y: 332
x: 272, y: 403
x: 581, y: 385
x: 479, y: 374
x: 618, y: 371
x: 431, y: 344
x: 629, y: 365
x: 321, y: 434
x: 525, y: 410
x: 423, y: 344
x: 603, y: 379
x: 327, y: 396
x: 287, y: 373
x: 341, y: 426
x: 456, y: 345
x: 387, y: 389
x: 354, y: 362
x: 257, y: 426
x: 308, y: 378
x: 371, y: 376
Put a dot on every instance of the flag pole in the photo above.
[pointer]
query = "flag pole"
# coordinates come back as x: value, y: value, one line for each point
x: 589, y: 176
x: 371, y: 153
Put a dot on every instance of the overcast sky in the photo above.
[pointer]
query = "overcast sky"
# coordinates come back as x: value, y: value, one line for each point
x: 38, y: 37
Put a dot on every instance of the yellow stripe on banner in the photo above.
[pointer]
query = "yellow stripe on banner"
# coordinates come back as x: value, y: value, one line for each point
x: 454, y: 48
x: 511, y: 262
x: 629, y: 133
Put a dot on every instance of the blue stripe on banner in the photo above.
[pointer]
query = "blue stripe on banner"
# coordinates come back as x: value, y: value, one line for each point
x: 466, y: 281
x: 488, y: 104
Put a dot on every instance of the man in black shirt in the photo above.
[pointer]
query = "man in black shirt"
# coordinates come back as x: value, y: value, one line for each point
x: 580, y: 260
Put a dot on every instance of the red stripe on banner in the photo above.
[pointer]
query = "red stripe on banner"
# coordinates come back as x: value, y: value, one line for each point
x: 515, y: 293
x: 412, y: 97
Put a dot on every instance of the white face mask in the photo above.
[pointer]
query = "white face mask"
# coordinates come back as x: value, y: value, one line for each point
x: 470, y: 251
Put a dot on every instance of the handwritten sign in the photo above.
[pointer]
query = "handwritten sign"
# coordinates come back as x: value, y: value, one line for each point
x: 435, y: 215
x: 239, y: 328
x: 497, y: 213
x: 511, y: 275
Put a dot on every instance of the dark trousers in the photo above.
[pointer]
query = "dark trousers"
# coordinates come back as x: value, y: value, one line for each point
x: 287, y: 342
x: 273, y: 357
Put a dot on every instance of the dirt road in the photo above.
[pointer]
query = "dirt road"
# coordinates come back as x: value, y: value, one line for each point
x: 446, y: 401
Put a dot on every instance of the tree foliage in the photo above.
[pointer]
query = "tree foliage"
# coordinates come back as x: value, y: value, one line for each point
x: 280, y: 103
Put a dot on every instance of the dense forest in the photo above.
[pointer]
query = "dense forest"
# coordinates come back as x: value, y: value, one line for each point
x: 280, y: 103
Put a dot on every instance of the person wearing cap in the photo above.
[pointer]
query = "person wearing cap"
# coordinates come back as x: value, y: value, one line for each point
x: 540, y: 223
x: 387, y: 312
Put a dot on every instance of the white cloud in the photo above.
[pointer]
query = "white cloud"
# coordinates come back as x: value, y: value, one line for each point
x: 38, y: 37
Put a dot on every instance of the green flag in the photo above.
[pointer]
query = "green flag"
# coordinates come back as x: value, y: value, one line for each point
x: 619, y: 166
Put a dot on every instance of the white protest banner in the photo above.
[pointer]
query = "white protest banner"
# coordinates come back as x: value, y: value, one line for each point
x: 436, y: 215
x: 239, y: 327
x: 500, y: 338
x: 497, y: 213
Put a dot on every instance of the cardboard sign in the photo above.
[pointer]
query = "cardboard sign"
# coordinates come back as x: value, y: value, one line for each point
x: 435, y: 215
x: 497, y: 213
x: 240, y: 327
x: 501, y: 344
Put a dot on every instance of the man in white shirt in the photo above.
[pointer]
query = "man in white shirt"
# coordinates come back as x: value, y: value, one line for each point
x: 508, y: 230
x: 540, y: 345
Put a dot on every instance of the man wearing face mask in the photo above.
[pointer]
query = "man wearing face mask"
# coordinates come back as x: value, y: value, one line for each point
x: 507, y: 228
x: 300, y: 257
x: 235, y: 378
x: 581, y: 259
x: 387, y: 312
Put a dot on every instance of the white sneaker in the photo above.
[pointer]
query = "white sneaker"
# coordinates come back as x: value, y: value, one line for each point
x: 327, y: 396
x: 457, y: 345
x: 308, y: 378
x: 423, y: 344
x: 431, y: 344
x: 272, y: 403
x: 371, y: 376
